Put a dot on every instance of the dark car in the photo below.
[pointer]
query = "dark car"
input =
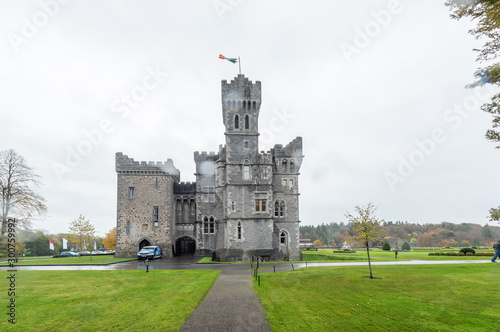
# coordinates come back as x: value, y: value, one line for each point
x: 150, y: 252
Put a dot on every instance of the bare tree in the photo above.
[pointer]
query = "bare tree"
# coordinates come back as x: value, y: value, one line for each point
x: 17, y: 180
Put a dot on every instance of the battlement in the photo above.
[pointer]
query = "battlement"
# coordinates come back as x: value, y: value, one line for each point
x: 204, y: 155
x: 241, y: 93
x: 126, y: 165
x: 291, y: 152
x: 184, y: 188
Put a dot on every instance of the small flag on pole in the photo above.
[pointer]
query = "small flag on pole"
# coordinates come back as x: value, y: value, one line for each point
x: 95, y: 246
x: 84, y: 245
x: 51, y: 244
x: 65, y: 243
x: 233, y: 60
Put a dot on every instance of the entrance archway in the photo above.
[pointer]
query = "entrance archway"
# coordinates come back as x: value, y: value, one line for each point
x: 185, y: 246
x: 144, y: 243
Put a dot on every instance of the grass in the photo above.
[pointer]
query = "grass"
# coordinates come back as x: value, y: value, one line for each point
x: 417, y: 298
x: 377, y: 255
x: 103, y: 259
x: 105, y: 300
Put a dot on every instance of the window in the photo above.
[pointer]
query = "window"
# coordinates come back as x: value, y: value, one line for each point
x: 212, y: 225
x: 283, y: 238
x: 208, y: 225
x: 156, y: 183
x: 260, y: 202
x: 265, y: 173
x: 236, y: 122
x: 208, y: 194
x: 246, y: 172
x: 127, y: 228
x: 284, y: 182
x: 156, y: 214
x: 246, y: 144
x: 247, y: 122
x: 205, y: 225
x: 239, y: 230
x: 131, y: 192
x: 233, y: 206
x: 279, y: 208
x: 283, y: 164
x: 290, y: 182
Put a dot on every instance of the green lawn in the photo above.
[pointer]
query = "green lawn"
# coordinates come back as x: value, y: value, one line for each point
x: 417, y: 298
x: 103, y: 259
x: 104, y: 300
x: 327, y: 255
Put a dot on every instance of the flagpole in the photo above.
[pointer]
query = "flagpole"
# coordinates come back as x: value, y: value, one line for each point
x: 239, y: 63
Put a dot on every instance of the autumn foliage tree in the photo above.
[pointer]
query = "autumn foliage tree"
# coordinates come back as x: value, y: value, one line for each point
x: 367, y: 227
x: 109, y: 241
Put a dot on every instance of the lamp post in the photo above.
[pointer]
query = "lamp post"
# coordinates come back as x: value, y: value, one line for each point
x: 146, y: 262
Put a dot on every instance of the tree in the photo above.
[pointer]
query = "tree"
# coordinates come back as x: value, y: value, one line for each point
x: 110, y: 239
x: 405, y: 246
x: 386, y: 246
x: 19, y: 200
x: 487, y: 15
x: 317, y: 244
x: 367, y: 227
x: 82, y: 231
x: 495, y: 214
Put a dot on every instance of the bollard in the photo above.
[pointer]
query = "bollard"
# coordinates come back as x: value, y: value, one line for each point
x: 293, y: 267
x: 274, y: 268
x: 259, y: 281
x: 306, y: 263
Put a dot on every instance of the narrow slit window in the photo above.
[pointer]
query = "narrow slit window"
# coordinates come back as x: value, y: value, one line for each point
x: 247, y: 122
x: 236, y: 122
x: 239, y: 230
x: 131, y: 192
x: 156, y: 215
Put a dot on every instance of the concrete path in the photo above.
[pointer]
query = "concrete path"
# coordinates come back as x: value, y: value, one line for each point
x: 231, y: 305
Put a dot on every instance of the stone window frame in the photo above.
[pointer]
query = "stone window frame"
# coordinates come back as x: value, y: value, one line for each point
x: 208, y: 194
x: 247, y: 122
x: 127, y: 227
x: 237, y: 122
x: 265, y: 173
x: 157, y: 182
x: 239, y: 231
x: 283, y: 237
x: 209, y: 225
x: 131, y: 192
x: 260, y: 202
x: 156, y: 216
x: 233, y: 206
x: 246, y: 170
x: 279, y: 208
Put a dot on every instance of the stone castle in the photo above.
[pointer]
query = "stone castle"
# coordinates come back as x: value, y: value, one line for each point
x: 244, y: 202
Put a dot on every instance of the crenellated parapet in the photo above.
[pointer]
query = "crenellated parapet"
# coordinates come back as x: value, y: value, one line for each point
x: 126, y: 165
x: 241, y: 94
x: 291, y: 153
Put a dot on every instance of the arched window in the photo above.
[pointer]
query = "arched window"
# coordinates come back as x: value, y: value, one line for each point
x: 284, y: 164
x: 236, y: 122
x: 279, y: 208
x: 239, y: 230
x: 244, y: 104
x: 254, y: 105
x: 283, y: 237
x: 233, y: 206
x: 247, y: 122
x: 212, y: 225
x: 205, y: 225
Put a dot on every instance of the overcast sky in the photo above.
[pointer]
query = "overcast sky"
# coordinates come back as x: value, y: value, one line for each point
x: 376, y: 89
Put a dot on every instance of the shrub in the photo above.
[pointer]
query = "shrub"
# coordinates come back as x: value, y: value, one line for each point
x: 461, y: 254
x: 469, y: 254
x: 467, y: 250
x: 386, y: 246
x: 405, y: 246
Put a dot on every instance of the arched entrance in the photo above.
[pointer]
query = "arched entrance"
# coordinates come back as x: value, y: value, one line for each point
x: 185, y: 246
x: 144, y: 243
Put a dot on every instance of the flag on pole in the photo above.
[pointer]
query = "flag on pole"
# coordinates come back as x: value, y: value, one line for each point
x: 51, y: 244
x: 84, y: 245
x: 95, y: 246
x: 233, y: 60
x: 65, y: 243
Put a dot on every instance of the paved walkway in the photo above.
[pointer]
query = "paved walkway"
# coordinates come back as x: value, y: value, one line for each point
x: 231, y: 305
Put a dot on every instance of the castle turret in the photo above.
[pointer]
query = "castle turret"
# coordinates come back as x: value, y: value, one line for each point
x: 241, y: 101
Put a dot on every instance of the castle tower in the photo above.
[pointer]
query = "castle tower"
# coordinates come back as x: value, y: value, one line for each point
x: 241, y: 101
